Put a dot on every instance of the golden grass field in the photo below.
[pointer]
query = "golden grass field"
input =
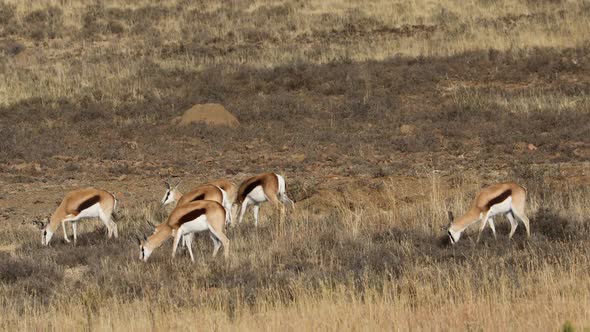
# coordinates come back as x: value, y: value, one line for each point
x: 381, y: 115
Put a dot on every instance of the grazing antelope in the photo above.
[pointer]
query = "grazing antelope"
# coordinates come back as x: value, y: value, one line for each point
x: 501, y: 198
x: 79, y: 204
x: 261, y: 188
x: 208, y: 192
x: 193, y: 217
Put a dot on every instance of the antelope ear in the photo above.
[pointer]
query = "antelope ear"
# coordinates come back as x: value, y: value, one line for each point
x: 137, y: 237
x: 451, y: 217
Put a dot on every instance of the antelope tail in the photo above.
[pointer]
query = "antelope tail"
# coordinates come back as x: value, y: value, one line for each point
x: 114, y: 214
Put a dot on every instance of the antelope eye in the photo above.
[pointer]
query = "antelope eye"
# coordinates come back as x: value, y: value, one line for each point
x: 45, y: 233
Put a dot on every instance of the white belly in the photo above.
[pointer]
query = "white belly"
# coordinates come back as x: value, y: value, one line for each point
x: 91, y: 212
x: 257, y: 195
x: 195, y: 226
x: 502, y: 207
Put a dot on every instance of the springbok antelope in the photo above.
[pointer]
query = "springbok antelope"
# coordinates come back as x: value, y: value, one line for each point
x: 193, y: 217
x: 208, y: 192
x: 501, y: 198
x: 261, y: 188
x: 80, y: 204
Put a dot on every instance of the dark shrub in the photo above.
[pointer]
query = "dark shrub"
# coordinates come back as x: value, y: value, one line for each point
x: 44, y: 23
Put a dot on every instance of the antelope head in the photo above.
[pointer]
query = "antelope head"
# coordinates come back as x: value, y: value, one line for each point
x: 144, y: 249
x: 453, y: 235
x: 170, y: 194
x: 46, y: 233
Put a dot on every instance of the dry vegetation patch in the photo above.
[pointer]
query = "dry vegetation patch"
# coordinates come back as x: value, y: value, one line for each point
x: 383, y: 116
x: 382, y: 252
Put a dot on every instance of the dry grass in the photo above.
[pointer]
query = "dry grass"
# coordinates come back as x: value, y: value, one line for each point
x: 368, y: 263
x: 110, y: 42
x: 382, y: 115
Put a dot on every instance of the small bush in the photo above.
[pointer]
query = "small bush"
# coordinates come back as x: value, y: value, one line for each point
x: 14, y: 270
x: 13, y: 48
x: 568, y: 327
x: 6, y: 14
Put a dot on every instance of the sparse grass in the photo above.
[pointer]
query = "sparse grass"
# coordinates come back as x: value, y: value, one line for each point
x: 382, y: 115
x: 370, y: 262
x: 110, y: 41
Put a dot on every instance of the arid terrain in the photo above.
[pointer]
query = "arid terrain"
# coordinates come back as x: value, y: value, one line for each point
x: 382, y: 116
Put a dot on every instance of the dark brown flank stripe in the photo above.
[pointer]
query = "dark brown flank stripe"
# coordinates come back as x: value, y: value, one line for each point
x: 194, y: 214
x: 198, y: 198
x: 499, y: 199
x: 88, y: 203
x: 249, y: 188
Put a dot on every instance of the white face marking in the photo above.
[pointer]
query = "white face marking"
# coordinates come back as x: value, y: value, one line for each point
x: 454, y: 236
x: 257, y: 195
x: 168, y: 197
x: 144, y: 252
x: 46, y: 235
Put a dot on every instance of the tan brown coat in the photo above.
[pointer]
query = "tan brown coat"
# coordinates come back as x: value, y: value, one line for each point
x: 188, y: 218
x: 205, y: 192
x: 229, y: 187
x: 502, y: 198
x: 79, y: 204
x: 260, y: 188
